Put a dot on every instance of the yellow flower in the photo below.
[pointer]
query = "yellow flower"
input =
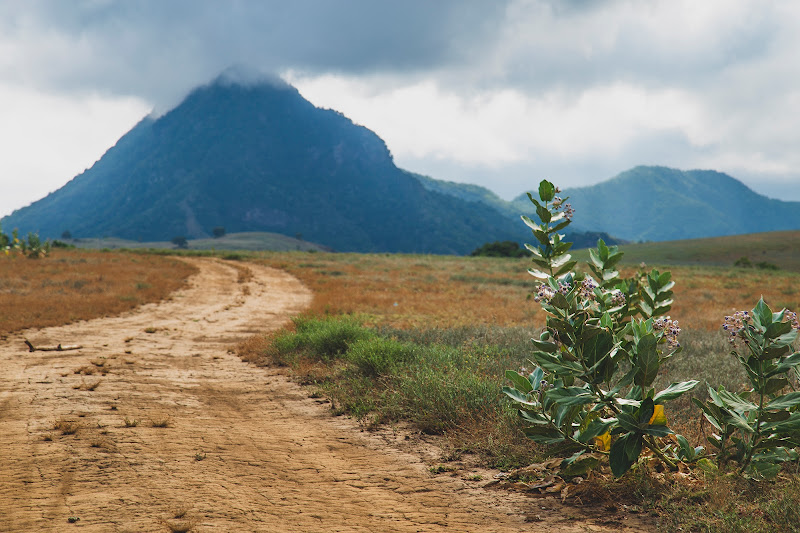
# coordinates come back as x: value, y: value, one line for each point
x: 658, y: 418
x: 603, y: 442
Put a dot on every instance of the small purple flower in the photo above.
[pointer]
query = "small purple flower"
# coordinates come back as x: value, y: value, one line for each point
x: 671, y: 330
x: 618, y: 298
x: 544, y: 292
x: 587, y: 288
x: 735, y: 324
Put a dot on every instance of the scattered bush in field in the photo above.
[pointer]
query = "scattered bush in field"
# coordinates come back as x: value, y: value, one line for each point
x: 500, y: 249
x: 180, y: 241
x: 218, y: 231
x: 601, y: 351
x: 744, y: 262
x: 31, y: 247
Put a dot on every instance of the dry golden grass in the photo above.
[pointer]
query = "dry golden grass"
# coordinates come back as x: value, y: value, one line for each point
x: 71, y: 285
x: 444, y: 291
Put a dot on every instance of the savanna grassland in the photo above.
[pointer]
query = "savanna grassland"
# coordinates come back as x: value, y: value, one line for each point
x: 70, y: 285
x: 441, y: 331
x: 425, y: 341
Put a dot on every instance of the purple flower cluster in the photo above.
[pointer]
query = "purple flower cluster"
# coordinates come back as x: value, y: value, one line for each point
x: 618, y: 298
x: 792, y: 317
x: 671, y: 330
x: 558, y: 203
x: 734, y: 325
x: 588, y: 286
x: 564, y: 287
x: 544, y: 292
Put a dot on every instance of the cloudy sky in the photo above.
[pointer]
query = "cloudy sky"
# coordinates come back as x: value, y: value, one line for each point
x: 498, y: 93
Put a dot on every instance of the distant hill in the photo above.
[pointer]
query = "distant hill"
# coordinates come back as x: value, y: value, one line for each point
x: 253, y: 241
x: 659, y: 203
x: 575, y: 233
x: 260, y: 158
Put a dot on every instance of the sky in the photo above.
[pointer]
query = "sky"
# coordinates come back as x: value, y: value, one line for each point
x: 497, y: 93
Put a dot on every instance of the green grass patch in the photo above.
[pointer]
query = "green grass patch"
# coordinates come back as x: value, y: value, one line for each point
x: 444, y: 382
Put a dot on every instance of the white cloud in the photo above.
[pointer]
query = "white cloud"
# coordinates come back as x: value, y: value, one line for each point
x: 47, y: 138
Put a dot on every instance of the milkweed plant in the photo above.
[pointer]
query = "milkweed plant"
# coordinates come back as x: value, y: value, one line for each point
x: 604, y: 341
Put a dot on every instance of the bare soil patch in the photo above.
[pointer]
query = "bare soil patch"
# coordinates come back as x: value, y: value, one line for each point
x: 155, y: 425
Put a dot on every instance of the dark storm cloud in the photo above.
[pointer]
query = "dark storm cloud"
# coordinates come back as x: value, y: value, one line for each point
x: 150, y: 48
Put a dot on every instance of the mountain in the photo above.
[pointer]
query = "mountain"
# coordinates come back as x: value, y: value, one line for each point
x: 259, y: 157
x: 576, y: 234
x: 658, y: 203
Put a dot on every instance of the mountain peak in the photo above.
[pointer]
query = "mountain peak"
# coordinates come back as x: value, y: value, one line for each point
x: 248, y: 153
x: 244, y: 76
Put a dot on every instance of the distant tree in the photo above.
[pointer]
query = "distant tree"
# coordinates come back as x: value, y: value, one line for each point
x: 500, y: 249
x: 298, y: 236
x: 180, y: 242
x: 218, y: 232
x: 66, y: 235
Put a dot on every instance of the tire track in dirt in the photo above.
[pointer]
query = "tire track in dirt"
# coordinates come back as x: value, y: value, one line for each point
x: 154, y: 425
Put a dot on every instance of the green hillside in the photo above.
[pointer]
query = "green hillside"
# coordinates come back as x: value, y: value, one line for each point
x: 659, y: 203
x: 762, y: 250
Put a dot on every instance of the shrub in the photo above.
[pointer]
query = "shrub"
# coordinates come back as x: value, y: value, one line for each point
x: 500, y: 249
x: 376, y: 356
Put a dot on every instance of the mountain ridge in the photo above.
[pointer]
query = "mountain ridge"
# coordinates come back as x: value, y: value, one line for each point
x: 260, y: 158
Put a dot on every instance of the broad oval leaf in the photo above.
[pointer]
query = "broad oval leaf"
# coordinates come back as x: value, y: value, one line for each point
x: 787, y: 401
x: 675, y: 390
x: 520, y: 382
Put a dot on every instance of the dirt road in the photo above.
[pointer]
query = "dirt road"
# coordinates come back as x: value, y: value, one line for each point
x: 154, y: 425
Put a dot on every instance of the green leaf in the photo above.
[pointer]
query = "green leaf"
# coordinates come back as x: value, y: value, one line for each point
x: 687, y: 452
x: 762, y: 314
x: 628, y: 423
x: 658, y: 431
x: 571, y: 396
x: 538, y: 274
x: 787, y: 401
x: 532, y: 199
x: 624, y: 453
x: 735, y: 401
x: 557, y: 365
x: 790, y: 425
x: 773, y: 385
x: 546, y: 436
x: 598, y: 263
x: 647, y: 362
x: 546, y: 191
x: 618, y: 458
x: 520, y: 382
x: 518, y: 396
x: 531, y: 224
x: 542, y: 237
x: 561, y: 225
x: 579, y: 464
x: 545, y: 346
x: 566, y: 268
x: 602, y: 250
x: 675, y: 390
x: 776, y: 329
x: 763, y: 470
x: 633, y: 447
x: 544, y: 214
x: 597, y: 427
x: 786, y: 364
